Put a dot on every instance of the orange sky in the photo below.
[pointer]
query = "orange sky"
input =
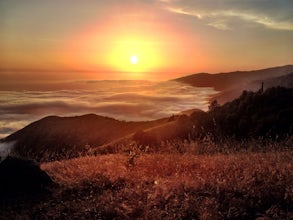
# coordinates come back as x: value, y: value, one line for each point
x: 169, y: 38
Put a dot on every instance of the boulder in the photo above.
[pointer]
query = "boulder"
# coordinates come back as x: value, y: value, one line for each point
x: 21, y: 176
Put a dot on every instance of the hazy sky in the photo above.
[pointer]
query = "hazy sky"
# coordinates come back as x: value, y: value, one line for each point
x: 168, y: 37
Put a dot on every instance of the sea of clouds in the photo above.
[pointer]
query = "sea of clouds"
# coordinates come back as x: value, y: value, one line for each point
x: 123, y: 100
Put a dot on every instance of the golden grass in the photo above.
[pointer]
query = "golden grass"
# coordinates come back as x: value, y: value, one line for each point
x: 174, y: 186
x: 242, y: 167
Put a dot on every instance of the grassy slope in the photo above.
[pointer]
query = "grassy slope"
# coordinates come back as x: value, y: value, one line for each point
x: 167, y: 186
x: 168, y: 130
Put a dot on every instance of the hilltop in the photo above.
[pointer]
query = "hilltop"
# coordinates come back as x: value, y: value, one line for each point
x: 60, y: 137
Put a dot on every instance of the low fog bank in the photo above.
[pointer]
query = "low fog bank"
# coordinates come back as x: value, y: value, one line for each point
x: 123, y: 100
x: 5, y: 149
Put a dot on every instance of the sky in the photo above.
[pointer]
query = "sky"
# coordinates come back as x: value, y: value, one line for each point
x: 141, y: 39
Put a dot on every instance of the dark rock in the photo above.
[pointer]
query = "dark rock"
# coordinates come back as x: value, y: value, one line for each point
x: 20, y: 176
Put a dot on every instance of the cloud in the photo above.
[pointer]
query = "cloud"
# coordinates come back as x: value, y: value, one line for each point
x: 123, y: 100
x: 271, y: 14
x: 5, y: 149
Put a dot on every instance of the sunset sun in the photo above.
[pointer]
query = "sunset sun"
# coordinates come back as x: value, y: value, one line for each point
x: 134, y: 59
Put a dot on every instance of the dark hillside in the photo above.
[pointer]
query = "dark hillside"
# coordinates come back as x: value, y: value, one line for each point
x: 252, y: 115
x: 68, y: 136
x: 263, y: 116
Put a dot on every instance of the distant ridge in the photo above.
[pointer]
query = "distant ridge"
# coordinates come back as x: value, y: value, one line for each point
x: 231, y: 84
x: 222, y: 81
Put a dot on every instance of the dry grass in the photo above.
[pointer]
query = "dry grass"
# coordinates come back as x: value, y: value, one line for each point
x: 178, y: 186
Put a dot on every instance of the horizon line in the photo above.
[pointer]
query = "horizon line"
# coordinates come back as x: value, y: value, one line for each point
x: 123, y: 71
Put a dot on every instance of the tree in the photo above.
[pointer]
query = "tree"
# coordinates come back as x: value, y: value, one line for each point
x: 213, y: 105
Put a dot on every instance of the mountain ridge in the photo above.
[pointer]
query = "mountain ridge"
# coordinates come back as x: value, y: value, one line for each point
x: 231, y: 84
x: 66, y: 136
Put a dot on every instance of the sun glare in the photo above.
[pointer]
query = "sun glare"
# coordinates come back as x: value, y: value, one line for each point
x: 134, y: 59
x: 134, y: 55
